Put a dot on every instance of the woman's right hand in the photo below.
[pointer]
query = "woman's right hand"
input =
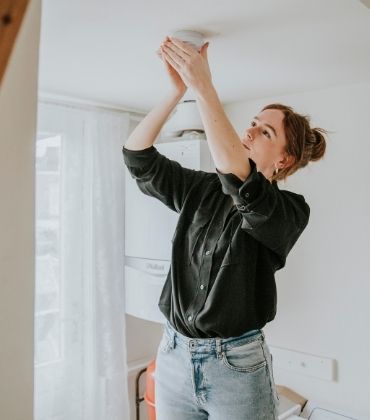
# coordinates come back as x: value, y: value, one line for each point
x: 176, y: 81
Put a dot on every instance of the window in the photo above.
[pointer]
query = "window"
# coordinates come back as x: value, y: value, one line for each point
x: 48, y: 299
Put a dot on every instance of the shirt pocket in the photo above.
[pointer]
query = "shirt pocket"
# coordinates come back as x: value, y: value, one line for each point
x: 230, y: 258
x: 197, y: 226
x: 232, y: 255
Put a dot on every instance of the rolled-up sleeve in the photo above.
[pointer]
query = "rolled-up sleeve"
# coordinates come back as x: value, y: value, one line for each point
x: 160, y: 177
x: 274, y: 217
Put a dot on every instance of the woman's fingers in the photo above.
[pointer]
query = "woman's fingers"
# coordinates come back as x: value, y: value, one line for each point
x: 176, y: 57
x: 172, y: 58
x: 182, y: 49
x: 181, y: 53
x: 183, y: 46
x: 176, y: 53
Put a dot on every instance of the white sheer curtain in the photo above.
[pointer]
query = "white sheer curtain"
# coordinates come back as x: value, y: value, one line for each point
x: 80, y: 349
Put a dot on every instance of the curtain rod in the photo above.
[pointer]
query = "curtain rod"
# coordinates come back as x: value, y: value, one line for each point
x: 84, y: 103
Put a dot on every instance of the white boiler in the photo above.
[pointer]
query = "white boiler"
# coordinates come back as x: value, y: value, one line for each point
x: 149, y: 227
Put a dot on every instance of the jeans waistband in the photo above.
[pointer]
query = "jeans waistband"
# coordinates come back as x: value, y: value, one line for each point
x: 211, y: 344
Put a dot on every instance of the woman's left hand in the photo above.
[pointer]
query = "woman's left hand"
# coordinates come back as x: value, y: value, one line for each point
x: 191, y: 65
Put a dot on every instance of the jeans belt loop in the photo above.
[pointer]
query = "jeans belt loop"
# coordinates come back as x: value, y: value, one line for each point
x: 218, y: 348
x: 173, y: 339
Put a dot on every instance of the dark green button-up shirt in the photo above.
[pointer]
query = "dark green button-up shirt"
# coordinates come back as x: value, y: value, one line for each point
x: 230, y: 239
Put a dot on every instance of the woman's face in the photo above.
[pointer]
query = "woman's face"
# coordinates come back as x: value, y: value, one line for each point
x: 265, y: 139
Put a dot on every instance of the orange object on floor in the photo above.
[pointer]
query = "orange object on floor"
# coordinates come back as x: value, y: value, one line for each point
x: 149, y: 395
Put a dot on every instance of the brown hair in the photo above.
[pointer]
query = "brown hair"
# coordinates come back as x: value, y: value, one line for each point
x: 304, y: 143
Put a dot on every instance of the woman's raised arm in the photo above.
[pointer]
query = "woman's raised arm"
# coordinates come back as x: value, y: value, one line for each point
x: 225, y: 146
x: 147, y: 131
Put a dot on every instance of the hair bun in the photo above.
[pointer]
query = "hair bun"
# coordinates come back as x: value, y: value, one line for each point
x: 318, y: 144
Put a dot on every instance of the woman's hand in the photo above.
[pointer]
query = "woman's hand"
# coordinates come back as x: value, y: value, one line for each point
x: 177, y: 83
x: 192, y: 66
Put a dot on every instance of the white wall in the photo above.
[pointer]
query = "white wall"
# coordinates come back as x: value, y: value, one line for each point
x: 18, y: 106
x: 323, y: 292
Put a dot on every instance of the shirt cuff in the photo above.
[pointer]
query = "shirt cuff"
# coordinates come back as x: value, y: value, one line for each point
x: 139, y: 158
x: 247, y: 193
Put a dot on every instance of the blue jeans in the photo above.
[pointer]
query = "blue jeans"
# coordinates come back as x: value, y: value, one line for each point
x: 214, y: 378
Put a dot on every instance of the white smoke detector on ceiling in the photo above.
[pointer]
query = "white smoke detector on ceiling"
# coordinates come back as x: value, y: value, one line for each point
x: 194, y: 38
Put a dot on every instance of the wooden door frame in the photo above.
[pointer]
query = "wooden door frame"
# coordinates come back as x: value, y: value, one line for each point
x: 11, y: 17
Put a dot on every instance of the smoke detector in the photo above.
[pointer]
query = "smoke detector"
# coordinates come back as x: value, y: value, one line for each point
x: 194, y: 38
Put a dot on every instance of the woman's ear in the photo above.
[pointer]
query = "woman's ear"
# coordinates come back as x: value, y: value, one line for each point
x: 286, y: 162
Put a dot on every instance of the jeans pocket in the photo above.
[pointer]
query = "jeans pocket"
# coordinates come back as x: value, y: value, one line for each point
x: 247, y: 357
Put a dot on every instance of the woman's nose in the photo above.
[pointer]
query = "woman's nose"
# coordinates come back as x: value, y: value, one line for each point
x: 249, y: 133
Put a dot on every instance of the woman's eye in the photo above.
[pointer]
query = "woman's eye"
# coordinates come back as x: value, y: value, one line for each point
x: 267, y: 134
x: 253, y: 123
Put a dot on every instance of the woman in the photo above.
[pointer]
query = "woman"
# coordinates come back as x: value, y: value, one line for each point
x: 235, y: 230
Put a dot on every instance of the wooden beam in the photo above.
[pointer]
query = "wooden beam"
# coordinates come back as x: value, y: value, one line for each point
x: 11, y: 17
x: 366, y: 3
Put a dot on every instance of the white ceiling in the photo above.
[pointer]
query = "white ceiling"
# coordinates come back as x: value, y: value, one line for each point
x: 106, y: 50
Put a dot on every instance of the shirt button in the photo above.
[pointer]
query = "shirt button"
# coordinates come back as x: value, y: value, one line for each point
x: 201, y: 286
x: 247, y: 194
x: 190, y: 318
x: 208, y: 252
